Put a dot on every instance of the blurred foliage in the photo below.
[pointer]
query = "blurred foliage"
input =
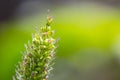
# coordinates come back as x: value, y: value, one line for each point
x: 87, y: 36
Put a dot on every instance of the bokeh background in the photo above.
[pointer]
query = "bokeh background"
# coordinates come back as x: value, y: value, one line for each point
x: 89, y: 32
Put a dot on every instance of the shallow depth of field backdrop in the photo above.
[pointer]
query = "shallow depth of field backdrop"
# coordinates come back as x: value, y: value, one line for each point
x: 89, y: 32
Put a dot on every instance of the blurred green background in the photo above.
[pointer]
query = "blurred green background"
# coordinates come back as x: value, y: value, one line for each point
x: 89, y: 46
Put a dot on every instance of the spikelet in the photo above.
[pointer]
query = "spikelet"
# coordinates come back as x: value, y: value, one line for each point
x: 39, y: 55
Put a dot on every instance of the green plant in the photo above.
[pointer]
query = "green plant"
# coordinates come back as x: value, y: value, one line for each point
x: 38, y: 56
